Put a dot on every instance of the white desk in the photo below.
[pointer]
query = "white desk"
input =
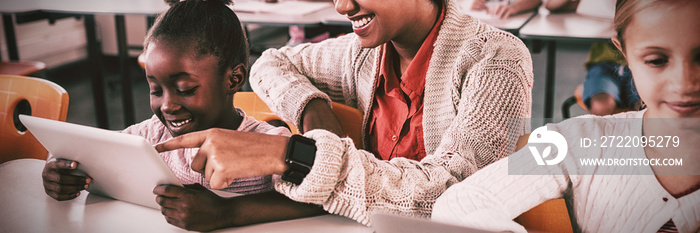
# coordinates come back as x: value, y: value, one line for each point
x: 24, y: 207
x: 568, y: 27
x: 313, y: 13
x: 563, y: 27
x: 512, y: 24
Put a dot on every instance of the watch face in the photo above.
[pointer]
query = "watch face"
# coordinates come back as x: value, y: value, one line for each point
x: 304, y: 153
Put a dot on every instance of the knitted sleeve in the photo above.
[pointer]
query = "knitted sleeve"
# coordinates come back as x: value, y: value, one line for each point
x: 491, y: 198
x: 354, y: 183
x: 288, y: 78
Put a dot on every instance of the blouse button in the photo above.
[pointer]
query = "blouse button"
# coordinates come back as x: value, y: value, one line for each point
x: 665, y: 199
x: 394, y: 138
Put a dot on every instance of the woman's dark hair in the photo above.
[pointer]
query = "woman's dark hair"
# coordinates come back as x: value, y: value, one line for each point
x: 210, y: 25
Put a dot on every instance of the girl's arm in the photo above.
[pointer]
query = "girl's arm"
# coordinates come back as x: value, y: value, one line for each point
x: 271, y: 206
x: 198, y: 209
x: 491, y: 198
x: 517, y: 7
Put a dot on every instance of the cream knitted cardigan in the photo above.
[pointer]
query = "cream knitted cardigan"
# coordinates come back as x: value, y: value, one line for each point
x: 479, y: 77
x: 599, y: 202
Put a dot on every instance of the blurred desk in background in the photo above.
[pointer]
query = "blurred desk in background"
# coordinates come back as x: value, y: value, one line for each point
x: 511, y: 24
x: 563, y: 27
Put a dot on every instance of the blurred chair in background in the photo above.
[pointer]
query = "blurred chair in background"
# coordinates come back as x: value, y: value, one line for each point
x: 23, y: 68
x: 30, y: 96
x: 350, y: 118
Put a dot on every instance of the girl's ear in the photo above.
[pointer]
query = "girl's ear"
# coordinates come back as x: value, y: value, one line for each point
x: 235, y: 78
x: 618, y: 44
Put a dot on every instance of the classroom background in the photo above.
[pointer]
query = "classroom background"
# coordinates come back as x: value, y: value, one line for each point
x: 60, y: 43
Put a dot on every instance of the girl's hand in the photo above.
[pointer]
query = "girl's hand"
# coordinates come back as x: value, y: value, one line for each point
x: 503, y: 11
x: 194, y: 207
x: 61, y: 182
x: 479, y: 5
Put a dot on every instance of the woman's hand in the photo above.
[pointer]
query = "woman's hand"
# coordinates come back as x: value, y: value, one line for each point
x: 225, y: 155
x: 61, y: 181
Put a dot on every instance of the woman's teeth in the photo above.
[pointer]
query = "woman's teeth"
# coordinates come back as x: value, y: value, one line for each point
x: 180, y: 123
x: 362, y: 22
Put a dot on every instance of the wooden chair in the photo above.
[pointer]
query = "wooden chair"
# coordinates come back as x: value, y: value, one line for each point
x: 350, y: 118
x: 31, y: 96
x: 550, y: 216
x: 142, y: 60
x: 23, y: 68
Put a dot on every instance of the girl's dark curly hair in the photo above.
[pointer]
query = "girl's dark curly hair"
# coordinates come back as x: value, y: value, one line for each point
x: 208, y: 24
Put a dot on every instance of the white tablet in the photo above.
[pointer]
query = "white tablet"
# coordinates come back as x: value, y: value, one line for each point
x: 123, y: 166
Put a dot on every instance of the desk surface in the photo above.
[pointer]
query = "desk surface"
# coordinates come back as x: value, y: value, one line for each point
x: 146, y: 7
x: 568, y: 26
x: 514, y: 22
x: 26, y: 208
x: 153, y: 7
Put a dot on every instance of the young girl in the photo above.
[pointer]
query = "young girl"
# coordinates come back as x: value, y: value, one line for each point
x: 661, y: 42
x: 196, y: 59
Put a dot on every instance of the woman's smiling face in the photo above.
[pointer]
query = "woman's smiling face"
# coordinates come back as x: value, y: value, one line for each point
x: 378, y: 21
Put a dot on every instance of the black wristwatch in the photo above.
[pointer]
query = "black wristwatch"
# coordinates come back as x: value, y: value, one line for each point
x: 301, y: 152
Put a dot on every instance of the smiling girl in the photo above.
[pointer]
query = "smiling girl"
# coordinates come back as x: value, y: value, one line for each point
x: 661, y: 42
x: 196, y: 60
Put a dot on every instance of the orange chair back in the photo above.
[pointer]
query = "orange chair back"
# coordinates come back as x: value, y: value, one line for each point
x: 550, y: 216
x: 23, y: 68
x: 350, y: 118
x: 31, y: 96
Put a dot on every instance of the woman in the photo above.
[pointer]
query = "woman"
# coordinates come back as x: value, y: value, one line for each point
x: 437, y: 89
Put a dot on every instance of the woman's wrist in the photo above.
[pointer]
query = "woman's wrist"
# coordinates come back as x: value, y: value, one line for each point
x: 278, y: 160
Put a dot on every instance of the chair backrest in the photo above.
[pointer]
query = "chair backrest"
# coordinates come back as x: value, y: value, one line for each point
x: 23, y: 68
x: 550, y: 216
x: 142, y: 60
x: 30, y: 96
x: 350, y: 118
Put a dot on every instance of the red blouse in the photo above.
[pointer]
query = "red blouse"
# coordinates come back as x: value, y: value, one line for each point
x: 396, y: 123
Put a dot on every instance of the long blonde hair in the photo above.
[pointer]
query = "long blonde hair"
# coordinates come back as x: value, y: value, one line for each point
x: 625, y: 10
